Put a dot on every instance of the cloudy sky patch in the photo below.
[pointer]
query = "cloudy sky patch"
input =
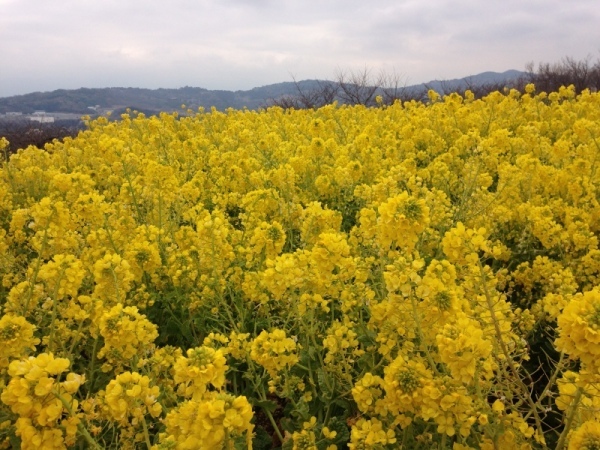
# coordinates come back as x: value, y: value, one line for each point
x: 240, y: 44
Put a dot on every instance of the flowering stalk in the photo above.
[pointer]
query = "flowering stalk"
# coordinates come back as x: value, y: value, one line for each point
x: 526, y: 394
x: 569, y: 421
x: 82, y: 429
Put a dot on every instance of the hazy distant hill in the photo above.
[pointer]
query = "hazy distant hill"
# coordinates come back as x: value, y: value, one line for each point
x: 485, y: 78
x: 81, y: 101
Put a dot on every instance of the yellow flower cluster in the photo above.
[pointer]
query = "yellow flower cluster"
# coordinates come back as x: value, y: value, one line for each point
x: 340, y: 343
x: 211, y: 423
x: 63, y: 276
x: 203, y: 366
x: 465, y: 350
x: 16, y: 337
x: 143, y: 253
x: 401, y: 219
x: 367, y: 393
x: 274, y: 351
x: 267, y: 239
x: 586, y: 437
x: 579, y: 326
x: 370, y: 434
x: 113, y: 277
x: 129, y: 397
x: 127, y: 335
x: 43, y: 404
x: 410, y: 389
x: 306, y: 439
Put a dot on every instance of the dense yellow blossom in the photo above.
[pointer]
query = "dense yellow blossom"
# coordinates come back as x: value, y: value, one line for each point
x: 113, y: 277
x: 16, y: 338
x: 465, y: 350
x: 409, y: 386
x: 63, y: 276
x: 203, y: 366
x: 268, y: 239
x: 370, y: 434
x: 586, y: 437
x: 209, y: 423
x: 341, y: 339
x: 422, y: 274
x: 274, y: 351
x: 43, y: 403
x: 367, y: 393
x: 127, y: 335
x: 143, y: 255
x: 129, y: 397
x: 579, y: 326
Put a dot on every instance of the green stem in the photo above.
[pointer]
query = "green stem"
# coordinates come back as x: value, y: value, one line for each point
x: 569, y: 421
x: 36, y: 271
x: 54, y: 309
x: 84, y: 432
x: 110, y: 236
x: 422, y: 336
x: 133, y: 196
x: 259, y: 388
x: 146, y: 435
x: 92, y: 366
x: 547, y: 391
x: 274, y: 424
x: 507, y: 355
x: 116, y: 281
x: 76, y: 340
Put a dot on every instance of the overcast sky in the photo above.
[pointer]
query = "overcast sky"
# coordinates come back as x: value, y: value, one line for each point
x: 241, y: 44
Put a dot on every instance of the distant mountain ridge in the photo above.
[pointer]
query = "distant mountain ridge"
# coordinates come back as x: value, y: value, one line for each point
x: 484, y: 78
x: 94, y: 101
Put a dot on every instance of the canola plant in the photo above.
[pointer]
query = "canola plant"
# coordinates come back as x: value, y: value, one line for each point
x: 417, y: 275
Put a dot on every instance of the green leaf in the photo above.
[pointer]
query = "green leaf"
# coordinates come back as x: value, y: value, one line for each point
x: 343, y: 433
x: 262, y: 440
x: 345, y: 406
x: 302, y: 411
x: 288, y: 445
x: 287, y: 424
x: 326, y: 391
x: 267, y: 405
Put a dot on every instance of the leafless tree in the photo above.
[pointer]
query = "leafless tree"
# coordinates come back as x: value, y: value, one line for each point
x: 357, y: 87
x: 362, y: 88
x: 582, y: 74
x: 392, y: 88
x: 351, y: 88
x: 323, y: 94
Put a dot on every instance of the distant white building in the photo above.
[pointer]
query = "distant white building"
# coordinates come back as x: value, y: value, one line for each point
x: 41, y: 117
x: 13, y: 114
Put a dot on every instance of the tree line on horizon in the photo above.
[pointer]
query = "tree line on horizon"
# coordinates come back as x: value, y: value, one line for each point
x: 363, y: 88
x: 358, y: 88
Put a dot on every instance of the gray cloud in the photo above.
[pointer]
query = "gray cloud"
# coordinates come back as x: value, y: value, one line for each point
x: 239, y: 44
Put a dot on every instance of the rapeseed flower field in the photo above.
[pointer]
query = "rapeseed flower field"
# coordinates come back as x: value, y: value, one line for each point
x: 411, y: 276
